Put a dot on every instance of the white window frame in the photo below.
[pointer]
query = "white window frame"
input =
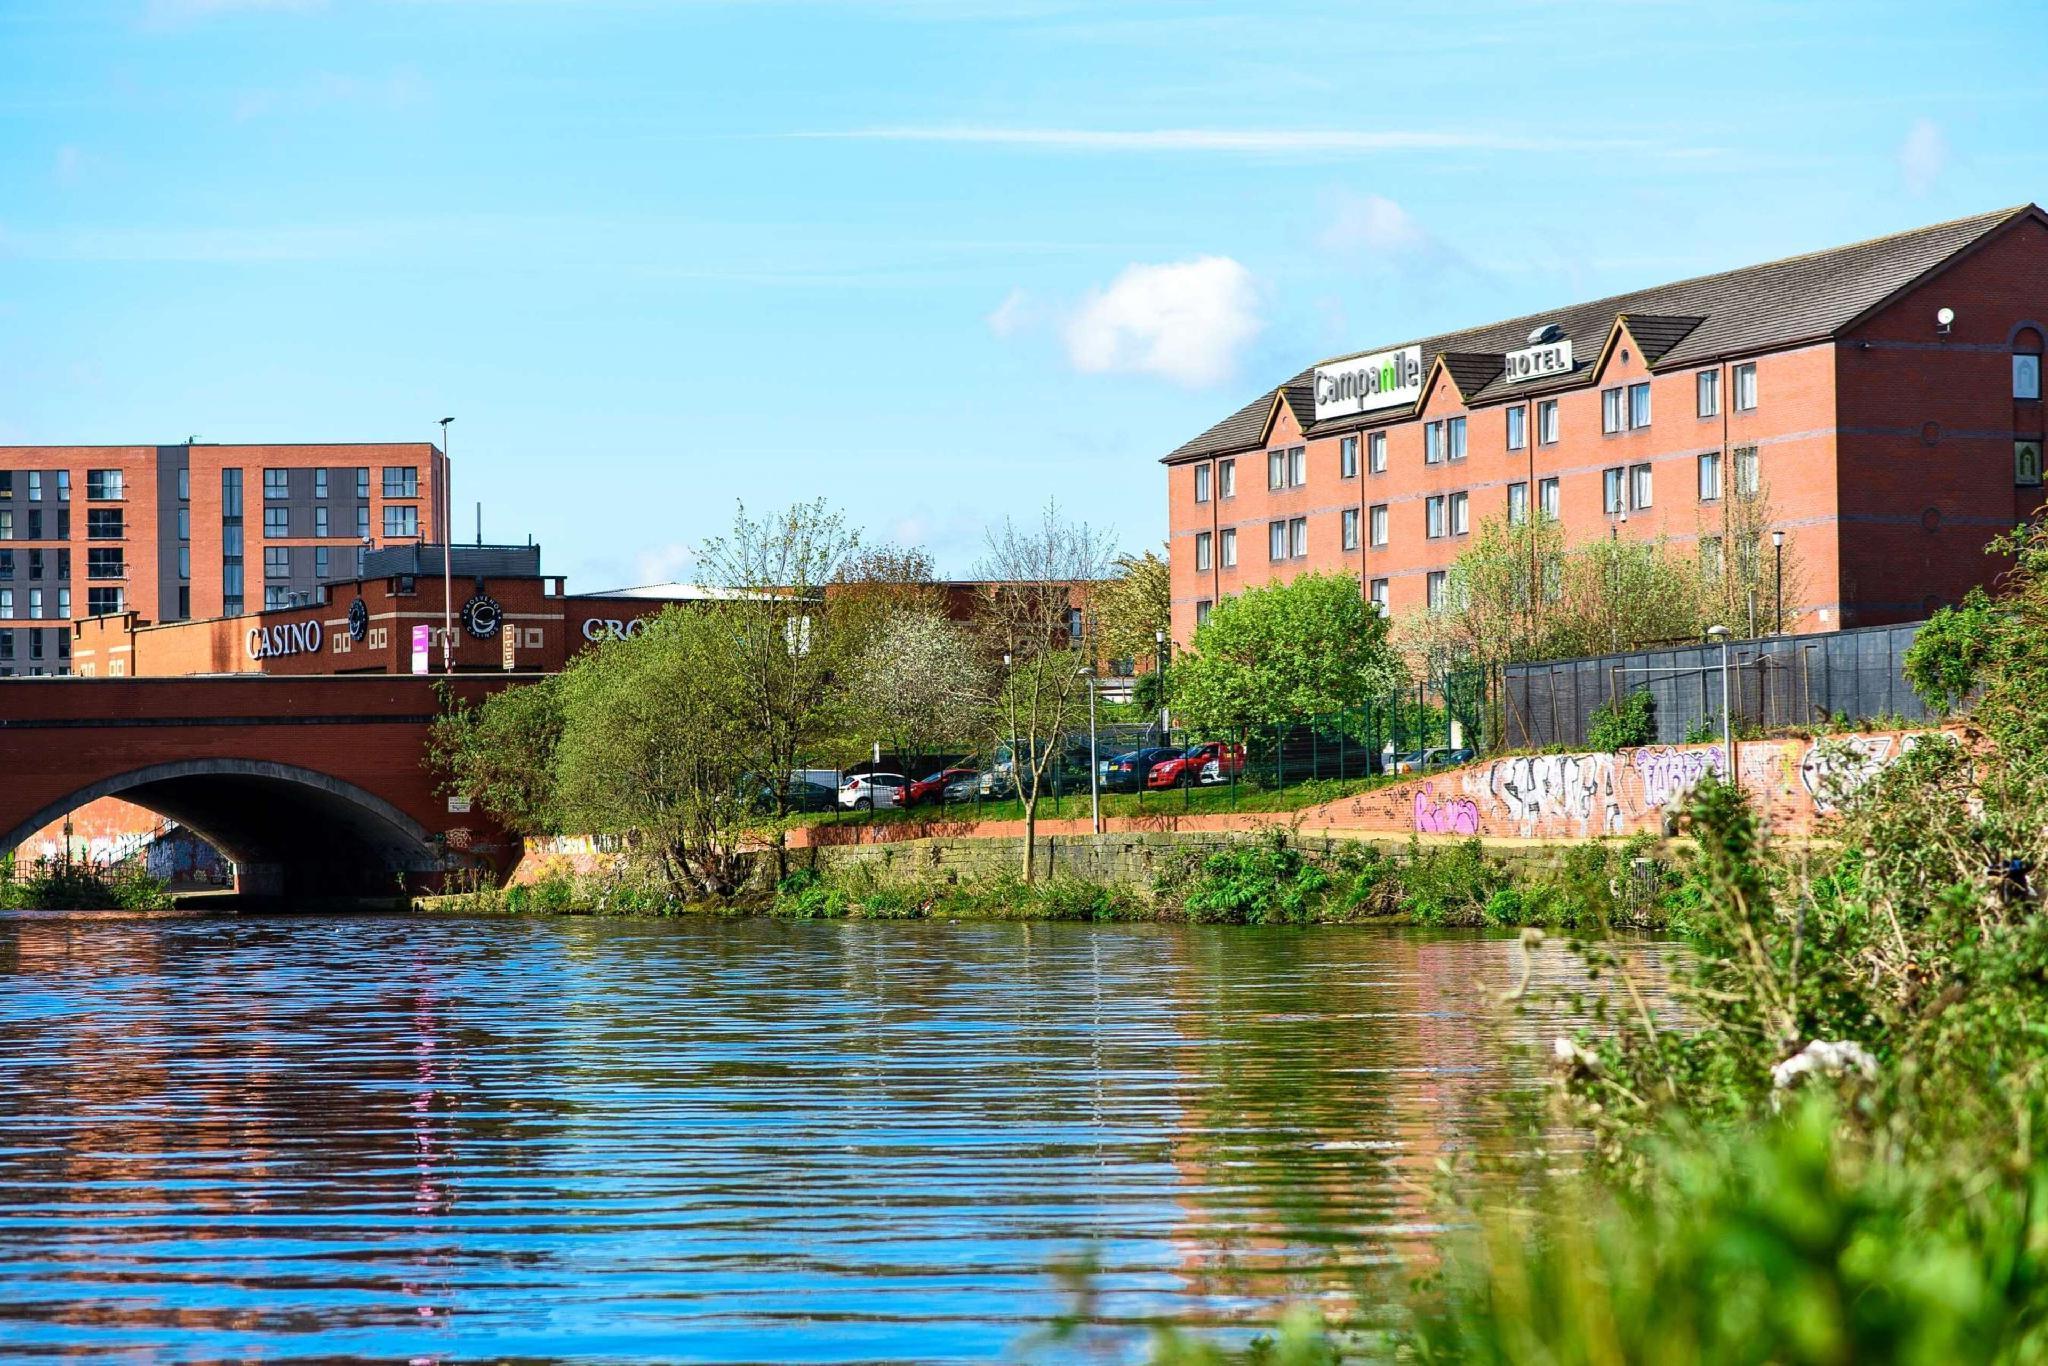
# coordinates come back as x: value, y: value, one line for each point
x: 1297, y: 466
x: 1297, y: 538
x: 1376, y: 452
x: 1276, y: 541
x: 1203, y: 552
x: 1202, y: 482
x: 1376, y: 525
x: 1549, y: 425
x: 1435, y: 589
x: 1229, y: 547
x: 1381, y: 593
x: 1614, y: 490
x: 1276, y: 471
x: 1745, y: 387
x: 1639, y: 390
x: 1461, y: 514
x: 1433, y: 510
x: 1347, y: 457
x: 1614, y: 410
x: 1641, y: 486
x: 1432, y: 443
x: 1226, y: 478
x: 1349, y: 528
x: 1747, y: 470
x: 1710, y: 477
x: 1518, y: 427
x: 1518, y: 503
x: 2026, y: 375
x: 1707, y: 393
x: 1454, y: 438
x: 1550, y: 498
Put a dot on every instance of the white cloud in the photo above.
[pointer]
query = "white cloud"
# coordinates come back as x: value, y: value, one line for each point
x: 1923, y: 156
x: 1372, y: 223
x: 1256, y: 142
x: 1185, y: 321
x: 1012, y: 315
x: 671, y: 563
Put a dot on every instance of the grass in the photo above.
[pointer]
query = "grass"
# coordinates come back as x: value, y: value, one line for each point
x: 1187, y: 801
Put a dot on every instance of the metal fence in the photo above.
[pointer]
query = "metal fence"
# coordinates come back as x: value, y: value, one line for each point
x: 1774, y: 681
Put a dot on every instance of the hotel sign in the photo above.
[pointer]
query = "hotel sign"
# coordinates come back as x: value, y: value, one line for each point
x: 1362, y: 384
x: 1539, y: 362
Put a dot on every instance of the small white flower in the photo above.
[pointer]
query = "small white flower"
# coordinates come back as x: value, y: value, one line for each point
x: 1825, y: 1058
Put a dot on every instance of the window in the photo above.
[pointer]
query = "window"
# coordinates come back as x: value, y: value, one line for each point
x: 362, y: 521
x: 1201, y: 483
x: 1710, y: 476
x: 231, y: 538
x: 1746, y: 481
x: 1347, y: 458
x: 1202, y: 551
x: 1639, y: 485
x: 6, y: 602
x: 63, y: 524
x: 1276, y: 540
x: 102, y: 602
x: 35, y: 648
x: 1518, y: 504
x: 1639, y: 404
x: 1432, y: 443
x: 103, y: 484
x: 6, y: 524
x: 2026, y: 463
x: 6, y: 564
x: 35, y: 524
x: 6, y: 483
x: 35, y: 604
x: 1613, y: 410
x: 1518, y: 427
x: 1745, y: 387
x: 35, y: 564
x: 1297, y: 467
x: 401, y: 481
x: 1454, y: 438
x: 231, y: 588
x: 320, y: 482
x: 401, y: 521
x: 1380, y: 596
x: 277, y: 484
x: 1229, y: 547
x: 64, y: 564
x: 277, y: 562
x: 1438, y: 581
x: 1709, y: 382
x: 1350, y: 528
x: 184, y: 524
x: 6, y: 638
x: 1553, y: 578
x: 103, y: 524
x: 1226, y: 478
x: 35, y: 485
x: 1376, y: 524
x: 103, y: 562
x: 1711, y: 564
x: 1615, y: 490
x: 320, y: 521
x: 1460, y: 514
x: 2026, y: 374
x: 362, y: 481
x: 184, y: 561
x: 1546, y: 422
x: 1202, y: 612
x: 277, y: 521
x: 1376, y: 452
x: 1297, y: 535
x: 276, y: 596
x: 1433, y: 512
x: 184, y: 602
x: 322, y: 564
x: 231, y: 493
x: 63, y: 486
x: 185, y: 485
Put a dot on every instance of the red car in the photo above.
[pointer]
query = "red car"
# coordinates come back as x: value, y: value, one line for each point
x: 933, y: 789
x: 1215, y: 762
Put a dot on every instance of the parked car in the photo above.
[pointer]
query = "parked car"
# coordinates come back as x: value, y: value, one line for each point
x: 963, y: 789
x: 936, y: 787
x: 798, y: 794
x: 1128, y: 772
x: 871, y: 791
x: 1199, y: 765
x: 1429, y: 760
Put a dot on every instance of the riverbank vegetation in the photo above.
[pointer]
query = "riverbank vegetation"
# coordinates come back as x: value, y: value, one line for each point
x: 66, y: 883
x: 1839, y: 1155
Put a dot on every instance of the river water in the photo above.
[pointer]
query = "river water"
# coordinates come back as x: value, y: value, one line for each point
x: 443, y: 1138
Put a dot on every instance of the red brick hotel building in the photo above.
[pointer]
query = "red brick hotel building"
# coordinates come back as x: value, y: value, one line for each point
x: 1887, y: 394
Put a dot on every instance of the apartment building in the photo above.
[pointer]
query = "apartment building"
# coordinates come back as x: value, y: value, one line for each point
x: 192, y: 530
x: 1886, y: 395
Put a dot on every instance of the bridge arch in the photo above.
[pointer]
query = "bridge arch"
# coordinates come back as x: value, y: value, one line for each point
x: 290, y: 831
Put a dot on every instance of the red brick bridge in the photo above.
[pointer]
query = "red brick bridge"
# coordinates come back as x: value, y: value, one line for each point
x: 313, y: 786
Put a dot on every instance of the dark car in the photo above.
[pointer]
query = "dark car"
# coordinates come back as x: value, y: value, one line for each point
x: 938, y: 787
x: 1128, y: 772
x: 963, y: 789
x: 798, y: 794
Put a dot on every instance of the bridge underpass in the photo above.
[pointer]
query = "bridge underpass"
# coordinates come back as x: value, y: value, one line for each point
x: 312, y: 787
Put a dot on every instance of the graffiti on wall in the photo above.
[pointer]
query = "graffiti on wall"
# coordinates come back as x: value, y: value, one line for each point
x: 1669, y: 773
x: 1832, y: 771
x: 1445, y: 815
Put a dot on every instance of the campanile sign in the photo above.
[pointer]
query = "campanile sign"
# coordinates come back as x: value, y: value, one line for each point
x: 1364, y: 384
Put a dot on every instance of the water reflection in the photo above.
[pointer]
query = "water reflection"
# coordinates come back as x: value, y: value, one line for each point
x: 713, y: 1140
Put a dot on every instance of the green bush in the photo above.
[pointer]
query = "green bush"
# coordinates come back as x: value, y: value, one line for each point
x: 68, y: 884
x: 1623, y: 722
x: 1257, y: 882
x: 1450, y: 884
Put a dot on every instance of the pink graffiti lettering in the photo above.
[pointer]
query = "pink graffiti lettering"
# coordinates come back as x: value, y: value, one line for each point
x: 1671, y: 774
x: 1450, y: 816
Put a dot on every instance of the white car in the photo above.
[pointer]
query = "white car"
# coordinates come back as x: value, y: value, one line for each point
x: 870, y: 791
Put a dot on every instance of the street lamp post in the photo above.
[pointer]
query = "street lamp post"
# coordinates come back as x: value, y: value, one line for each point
x: 1094, y: 764
x: 447, y: 569
x: 1721, y: 633
x: 1159, y: 639
x: 1778, y: 573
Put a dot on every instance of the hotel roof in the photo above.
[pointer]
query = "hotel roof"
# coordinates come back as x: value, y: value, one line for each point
x: 1753, y: 309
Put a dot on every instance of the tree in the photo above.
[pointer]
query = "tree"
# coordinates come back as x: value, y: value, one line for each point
x: 1037, y: 646
x: 1278, y: 655
x: 501, y: 754
x: 791, y: 640
x: 1132, y: 606
x: 658, y: 747
x: 919, y: 682
x: 1740, y: 569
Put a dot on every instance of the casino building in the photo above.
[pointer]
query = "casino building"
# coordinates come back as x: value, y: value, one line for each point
x: 192, y: 530
x: 1884, y: 396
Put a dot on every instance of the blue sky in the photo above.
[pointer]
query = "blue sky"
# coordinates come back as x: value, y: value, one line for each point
x: 930, y: 259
